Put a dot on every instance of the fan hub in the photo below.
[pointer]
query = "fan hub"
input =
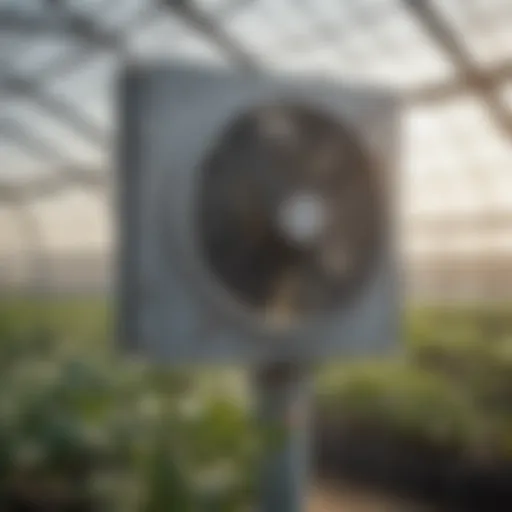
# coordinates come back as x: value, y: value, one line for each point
x: 302, y: 218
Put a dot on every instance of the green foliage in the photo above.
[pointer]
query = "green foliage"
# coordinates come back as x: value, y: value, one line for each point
x: 452, y: 388
x: 78, y: 322
x: 401, y: 399
x: 76, y: 423
x: 472, y: 350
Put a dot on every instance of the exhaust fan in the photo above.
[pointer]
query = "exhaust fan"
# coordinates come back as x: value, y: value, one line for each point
x: 288, y: 212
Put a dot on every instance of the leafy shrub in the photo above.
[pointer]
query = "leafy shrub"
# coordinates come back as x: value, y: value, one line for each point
x: 76, y: 425
x: 395, y: 397
x: 77, y: 428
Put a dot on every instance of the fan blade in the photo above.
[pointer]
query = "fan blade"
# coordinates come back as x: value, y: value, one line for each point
x: 285, y: 301
x: 288, y: 215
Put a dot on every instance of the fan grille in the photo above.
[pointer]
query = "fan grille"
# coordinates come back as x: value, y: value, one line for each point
x: 289, y: 215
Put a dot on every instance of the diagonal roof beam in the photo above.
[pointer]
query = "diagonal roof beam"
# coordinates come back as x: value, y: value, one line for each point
x: 65, y: 174
x: 52, y: 182
x: 208, y: 27
x: 232, y: 7
x: 102, y: 41
x: 446, y: 90
x: 12, y: 20
x: 440, y: 223
x: 475, y: 79
x: 25, y: 139
x: 29, y: 87
x: 113, y: 42
x: 19, y: 85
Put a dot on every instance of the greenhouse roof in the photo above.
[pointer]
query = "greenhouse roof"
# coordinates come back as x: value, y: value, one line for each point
x: 450, y: 60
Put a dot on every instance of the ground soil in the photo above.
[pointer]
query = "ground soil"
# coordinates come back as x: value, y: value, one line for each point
x: 337, y: 498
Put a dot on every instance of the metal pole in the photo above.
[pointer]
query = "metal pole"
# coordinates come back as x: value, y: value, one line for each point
x: 284, y: 393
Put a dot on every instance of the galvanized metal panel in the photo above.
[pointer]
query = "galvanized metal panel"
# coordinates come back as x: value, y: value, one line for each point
x: 172, y: 308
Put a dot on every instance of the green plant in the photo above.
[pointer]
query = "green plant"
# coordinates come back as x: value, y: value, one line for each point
x: 78, y: 423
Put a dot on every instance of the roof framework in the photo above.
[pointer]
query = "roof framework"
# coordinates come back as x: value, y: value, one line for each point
x: 451, y: 60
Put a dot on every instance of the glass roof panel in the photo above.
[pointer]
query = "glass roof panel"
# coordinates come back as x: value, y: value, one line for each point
x: 371, y: 39
x: 17, y: 163
x: 456, y: 160
x: 88, y: 88
x: 38, y: 52
x: 65, y: 146
x: 170, y: 36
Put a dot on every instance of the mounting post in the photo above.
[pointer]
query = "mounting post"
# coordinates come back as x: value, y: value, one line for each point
x: 284, y: 400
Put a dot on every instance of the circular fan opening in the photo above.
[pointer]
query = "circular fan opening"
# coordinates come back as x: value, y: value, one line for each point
x: 288, y: 213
